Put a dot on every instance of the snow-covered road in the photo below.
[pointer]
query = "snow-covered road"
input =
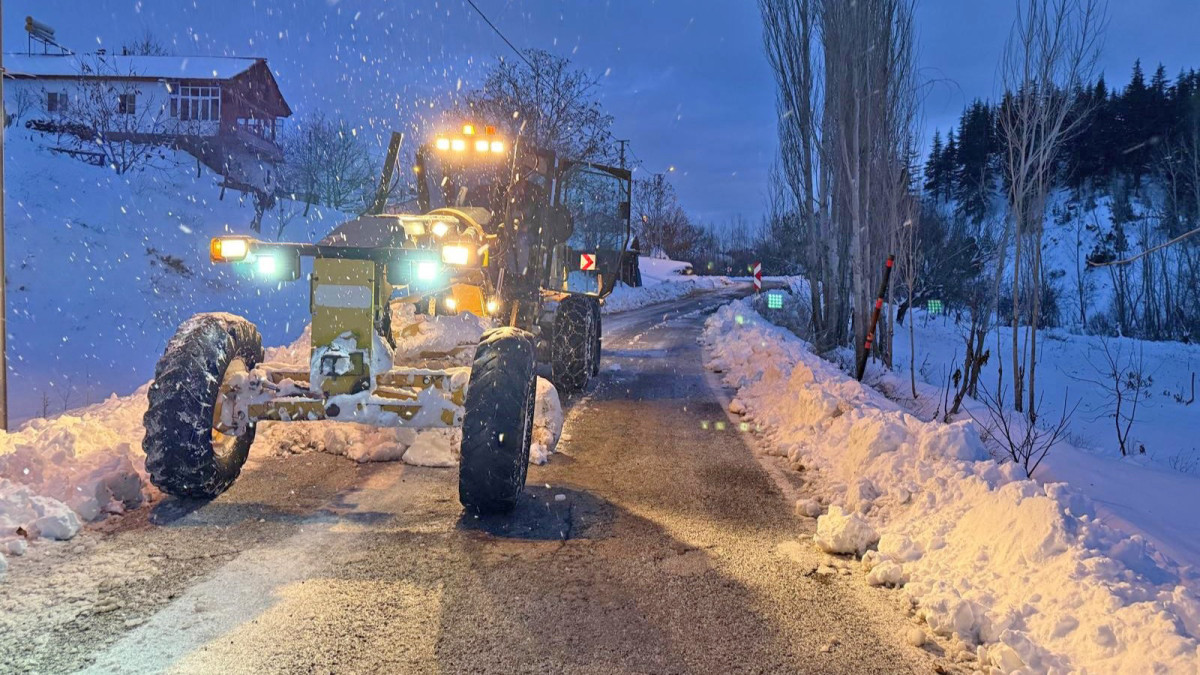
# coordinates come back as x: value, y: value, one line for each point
x: 653, y: 541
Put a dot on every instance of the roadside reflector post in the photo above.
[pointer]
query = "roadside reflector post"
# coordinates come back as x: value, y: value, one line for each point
x: 757, y: 277
x: 587, y: 262
x: 862, y: 358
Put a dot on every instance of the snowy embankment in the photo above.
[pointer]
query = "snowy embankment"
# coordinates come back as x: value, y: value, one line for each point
x: 1155, y: 494
x: 662, y: 281
x: 1016, y: 575
x: 82, y: 465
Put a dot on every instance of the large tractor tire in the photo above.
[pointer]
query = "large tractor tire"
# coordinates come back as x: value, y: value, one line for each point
x: 194, y: 447
x: 573, y: 345
x: 498, y: 422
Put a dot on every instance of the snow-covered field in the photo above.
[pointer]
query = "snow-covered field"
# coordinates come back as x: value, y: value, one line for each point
x: 1156, y: 494
x: 1014, y: 573
x: 56, y: 474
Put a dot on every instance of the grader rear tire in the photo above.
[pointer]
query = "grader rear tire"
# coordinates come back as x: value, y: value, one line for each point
x: 186, y: 454
x: 497, y: 422
x: 572, y: 347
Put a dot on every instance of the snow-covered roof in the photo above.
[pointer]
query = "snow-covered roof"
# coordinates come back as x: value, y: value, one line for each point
x: 117, y: 65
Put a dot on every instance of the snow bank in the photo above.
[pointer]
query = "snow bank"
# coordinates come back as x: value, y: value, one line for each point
x: 1019, y: 575
x: 624, y: 298
x: 85, y: 464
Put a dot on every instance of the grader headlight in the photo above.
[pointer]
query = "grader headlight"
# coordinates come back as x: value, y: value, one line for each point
x: 427, y: 270
x: 454, y: 254
x: 440, y: 228
x: 229, y: 249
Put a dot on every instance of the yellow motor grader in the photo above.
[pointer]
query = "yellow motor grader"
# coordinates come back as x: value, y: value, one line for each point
x: 499, y: 230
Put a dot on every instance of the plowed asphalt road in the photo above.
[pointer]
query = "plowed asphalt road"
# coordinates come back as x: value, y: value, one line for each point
x: 648, y: 544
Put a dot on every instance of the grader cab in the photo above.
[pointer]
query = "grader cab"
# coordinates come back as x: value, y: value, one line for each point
x: 500, y: 232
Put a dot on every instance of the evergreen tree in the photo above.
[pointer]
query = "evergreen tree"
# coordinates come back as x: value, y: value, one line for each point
x: 947, y: 168
x: 932, y: 173
x: 973, y: 170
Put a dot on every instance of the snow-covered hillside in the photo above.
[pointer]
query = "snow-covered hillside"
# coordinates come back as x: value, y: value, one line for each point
x: 1017, y: 575
x: 103, y: 267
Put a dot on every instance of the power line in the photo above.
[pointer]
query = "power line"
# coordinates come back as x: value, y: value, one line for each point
x: 497, y: 31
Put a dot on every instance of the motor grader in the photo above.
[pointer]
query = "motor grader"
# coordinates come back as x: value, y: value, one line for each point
x: 499, y: 230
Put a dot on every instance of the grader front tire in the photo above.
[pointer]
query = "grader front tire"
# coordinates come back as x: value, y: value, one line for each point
x: 498, y: 422
x: 186, y: 454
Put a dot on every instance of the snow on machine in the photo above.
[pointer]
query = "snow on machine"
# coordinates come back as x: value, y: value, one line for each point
x: 501, y: 231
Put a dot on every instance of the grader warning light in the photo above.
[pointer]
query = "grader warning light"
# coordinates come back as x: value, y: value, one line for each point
x: 470, y: 138
x: 229, y: 249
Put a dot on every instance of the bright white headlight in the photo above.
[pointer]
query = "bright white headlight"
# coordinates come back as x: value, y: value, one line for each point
x: 427, y: 270
x: 267, y: 265
x: 455, y: 255
x: 439, y: 228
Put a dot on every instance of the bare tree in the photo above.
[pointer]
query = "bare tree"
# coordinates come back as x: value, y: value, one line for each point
x: 145, y: 44
x: 1024, y: 441
x: 791, y: 37
x: 847, y: 106
x: 326, y: 161
x: 545, y: 99
x: 908, y: 257
x: 1122, y: 376
x: 1051, y: 52
x: 20, y: 103
x: 664, y: 224
x: 111, y: 115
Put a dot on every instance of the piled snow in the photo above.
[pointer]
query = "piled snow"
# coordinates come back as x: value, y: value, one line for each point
x: 662, y: 281
x: 1019, y: 574
x: 840, y: 532
x: 657, y: 270
x: 84, y: 464
x: 1165, y: 480
x: 547, y: 423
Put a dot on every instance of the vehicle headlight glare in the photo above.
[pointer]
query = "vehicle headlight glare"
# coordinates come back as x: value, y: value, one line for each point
x: 455, y: 255
x: 267, y: 265
x: 440, y: 228
x: 229, y: 249
x: 427, y: 270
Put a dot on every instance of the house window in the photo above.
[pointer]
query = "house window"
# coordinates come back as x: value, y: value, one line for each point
x: 190, y: 102
x: 56, y: 102
x: 126, y: 104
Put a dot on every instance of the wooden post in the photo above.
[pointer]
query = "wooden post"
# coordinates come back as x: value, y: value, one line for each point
x: 862, y: 358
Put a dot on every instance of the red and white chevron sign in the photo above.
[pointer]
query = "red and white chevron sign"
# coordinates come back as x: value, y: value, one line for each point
x: 757, y: 277
x: 587, y: 261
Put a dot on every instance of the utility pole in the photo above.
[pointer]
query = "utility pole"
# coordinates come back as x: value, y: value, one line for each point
x: 623, y: 143
x: 3, y: 278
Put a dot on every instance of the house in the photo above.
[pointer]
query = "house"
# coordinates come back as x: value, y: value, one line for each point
x: 223, y: 110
